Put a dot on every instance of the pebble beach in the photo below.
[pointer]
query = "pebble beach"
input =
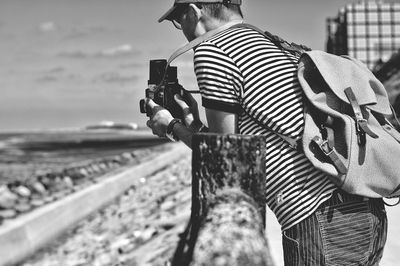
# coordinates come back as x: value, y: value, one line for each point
x: 139, y: 228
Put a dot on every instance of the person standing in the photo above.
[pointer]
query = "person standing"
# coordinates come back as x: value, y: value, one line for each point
x: 249, y: 86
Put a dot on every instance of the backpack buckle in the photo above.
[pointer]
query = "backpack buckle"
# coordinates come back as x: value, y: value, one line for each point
x: 323, y: 145
x: 331, y: 153
x: 362, y: 129
x: 361, y: 139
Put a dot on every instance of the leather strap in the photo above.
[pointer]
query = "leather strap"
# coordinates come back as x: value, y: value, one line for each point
x: 393, y: 132
x: 331, y: 153
x: 330, y: 136
x: 362, y: 126
x: 293, y: 143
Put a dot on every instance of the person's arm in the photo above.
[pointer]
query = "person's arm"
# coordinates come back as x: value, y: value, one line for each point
x: 220, y: 83
x: 183, y: 134
x: 218, y: 121
x: 221, y: 122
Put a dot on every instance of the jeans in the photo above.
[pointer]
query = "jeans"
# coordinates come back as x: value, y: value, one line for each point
x: 345, y: 230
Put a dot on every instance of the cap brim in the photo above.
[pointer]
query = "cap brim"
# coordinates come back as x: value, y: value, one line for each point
x: 168, y: 14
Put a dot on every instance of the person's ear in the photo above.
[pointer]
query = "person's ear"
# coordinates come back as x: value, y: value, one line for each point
x: 198, y: 12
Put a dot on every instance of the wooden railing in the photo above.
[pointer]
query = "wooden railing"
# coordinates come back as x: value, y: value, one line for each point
x: 228, y: 203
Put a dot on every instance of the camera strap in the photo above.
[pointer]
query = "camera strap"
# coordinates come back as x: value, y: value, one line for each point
x: 201, y: 39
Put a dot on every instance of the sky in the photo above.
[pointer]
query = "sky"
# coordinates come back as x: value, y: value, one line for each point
x: 72, y: 63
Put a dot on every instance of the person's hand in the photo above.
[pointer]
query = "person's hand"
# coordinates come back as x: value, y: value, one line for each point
x: 159, y: 120
x: 190, y: 110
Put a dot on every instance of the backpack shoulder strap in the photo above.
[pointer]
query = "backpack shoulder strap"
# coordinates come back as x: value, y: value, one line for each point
x: 295, y: 49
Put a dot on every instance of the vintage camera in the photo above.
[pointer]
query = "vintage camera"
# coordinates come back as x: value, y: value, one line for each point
x: 162, y: 87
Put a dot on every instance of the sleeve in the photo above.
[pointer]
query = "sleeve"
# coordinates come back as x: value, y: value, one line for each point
x: 219, y: 79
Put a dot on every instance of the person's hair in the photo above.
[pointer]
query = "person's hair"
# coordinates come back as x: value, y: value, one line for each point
x: 216, y: 10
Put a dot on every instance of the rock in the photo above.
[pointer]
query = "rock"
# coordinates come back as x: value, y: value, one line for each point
x: 68, y: 182
x: 126, y: 249
x: 167, y: 205
x: 126, y: 156
x: 103, y: 166
x: 74, y: 173
x: 110, y: 164
x: 46, y: 181
x: 130, y: 191
x: 60, y: 194
x: 38, y: 188
x: 22, y: 207
x: 83, y: 172
x: 23, y: 200
x: 117, y: 159
x: 22, y: 191
x: 120, y: 244
x: 8, y: 213
x: 49, y: 198
x: 7, y: 198
x: 145, y: 235
x: 37, y: 202
x: 128, y: 260
x: 96, y: 168
x: 89, y: 169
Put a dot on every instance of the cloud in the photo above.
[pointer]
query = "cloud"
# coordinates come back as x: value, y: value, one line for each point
x: 48, y: 26
x: 47, y: 79
x: 123, y: 50
x: 133, y: 65
x: 115, y: 77
x: 58, y: 74
x: 56, y: 70
x: 84, y: 31
x: 74, y: 54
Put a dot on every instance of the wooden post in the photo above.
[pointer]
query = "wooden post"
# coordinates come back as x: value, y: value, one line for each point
x: 228, y: 203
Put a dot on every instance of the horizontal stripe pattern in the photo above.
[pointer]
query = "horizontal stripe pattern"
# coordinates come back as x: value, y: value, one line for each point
x: 240, y: 71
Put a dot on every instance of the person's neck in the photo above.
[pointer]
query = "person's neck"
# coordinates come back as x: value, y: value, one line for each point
x: 212, y: 24
x: 209, y: 24
x: 218, y: 23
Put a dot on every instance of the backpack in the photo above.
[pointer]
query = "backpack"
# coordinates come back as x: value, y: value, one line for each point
x: 346, y: 132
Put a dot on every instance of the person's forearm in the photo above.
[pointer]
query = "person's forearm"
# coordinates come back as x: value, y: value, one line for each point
x: 183, y: 133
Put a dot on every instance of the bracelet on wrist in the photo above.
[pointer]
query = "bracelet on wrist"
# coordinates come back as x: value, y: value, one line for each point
x: 170, y: 129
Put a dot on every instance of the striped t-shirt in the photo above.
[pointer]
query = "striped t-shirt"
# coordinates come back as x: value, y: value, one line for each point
x: 241, y: 71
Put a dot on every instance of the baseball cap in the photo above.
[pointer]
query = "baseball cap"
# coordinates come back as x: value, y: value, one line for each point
x: 171, y: 12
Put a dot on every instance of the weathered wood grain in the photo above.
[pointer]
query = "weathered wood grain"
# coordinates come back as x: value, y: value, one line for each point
x: 228, y: 203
